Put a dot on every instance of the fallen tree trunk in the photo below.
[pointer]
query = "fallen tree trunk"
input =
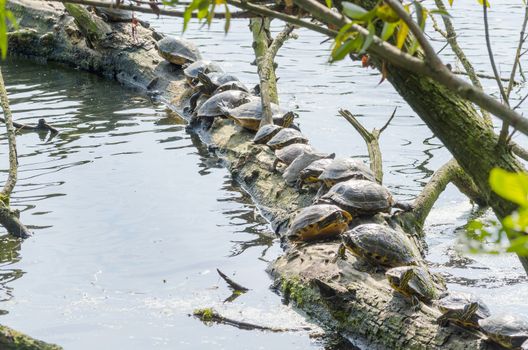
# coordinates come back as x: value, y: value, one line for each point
x: 341, y: 297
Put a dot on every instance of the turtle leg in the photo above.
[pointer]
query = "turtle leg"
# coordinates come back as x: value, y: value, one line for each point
x: 340, y: 254
x: 299, y: 184
x: 193, y: 100
x: 274, y: 166
x: 443, y: 320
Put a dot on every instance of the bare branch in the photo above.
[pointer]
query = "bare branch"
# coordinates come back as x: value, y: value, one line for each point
x: 11, y: 138
x: 372, y: 141
x: 266, y: 69
x: 505, y: 125
x: 130, y: 7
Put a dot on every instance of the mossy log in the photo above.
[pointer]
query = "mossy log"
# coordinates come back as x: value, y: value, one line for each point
x: 359, y: 305
x: 14, y: 340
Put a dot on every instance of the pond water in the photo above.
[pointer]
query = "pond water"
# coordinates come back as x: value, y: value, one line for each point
x: 132, y: 216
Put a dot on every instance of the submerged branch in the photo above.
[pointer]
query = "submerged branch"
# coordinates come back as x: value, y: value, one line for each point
x: 41, y: 126
x: 211, y: 315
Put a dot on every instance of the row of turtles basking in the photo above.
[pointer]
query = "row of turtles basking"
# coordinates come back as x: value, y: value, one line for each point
x: 347, y: 189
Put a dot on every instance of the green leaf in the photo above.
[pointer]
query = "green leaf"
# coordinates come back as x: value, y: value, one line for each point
x: 421, y: 14
x: 511, y: 186
x: 388, y: 30
x: 403, y: 31
x: 227, y: 18
x: 354, y: 11
x: 329, y: 4
x: 450, y: 2
x: 441, y: 13
x: 519, y: 246
x: 343, y: 50
x: 370, y: 37
x: 482, y: 2
x: 386, y: 13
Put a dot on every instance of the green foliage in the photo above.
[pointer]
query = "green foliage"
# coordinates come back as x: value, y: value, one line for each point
x: 204, y: 10
x: 511, y: 234
x: 393, y: 29
x: 6, y: 17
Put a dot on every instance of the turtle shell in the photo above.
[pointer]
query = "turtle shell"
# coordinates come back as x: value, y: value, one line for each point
x: 419, y: 283
x: 286, y: 137
x: 265, y: 133
x: 249, y: 115
x: 359, y: 197
x: 114, y: 14
x: 289, y: 153
x: 307, y: 157
x: 342, y: 169
x: 231, y: 98
x: 454, y: 307
x: 231, y: 85
x: 508, y: 330
x: 311, y: 173
x: 201, y: 66
x: 318, y: 222
x: 178, y: 51
x: 381, y: 245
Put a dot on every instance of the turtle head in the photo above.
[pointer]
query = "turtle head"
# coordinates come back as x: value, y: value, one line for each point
x: 287, y: 119
x: 399, y: 277
x: 470, y: 309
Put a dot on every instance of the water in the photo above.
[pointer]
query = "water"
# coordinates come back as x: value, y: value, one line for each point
x: 132, y: 217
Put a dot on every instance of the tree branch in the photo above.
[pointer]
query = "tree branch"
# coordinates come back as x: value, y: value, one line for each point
x: 372, y: 141
x: 266, y: 70
x: 451, y: 37
x: 505, y: 125
x: 11, y: 138
x: 130, y: 7
x: 8, y: 218
x: 440, y: 73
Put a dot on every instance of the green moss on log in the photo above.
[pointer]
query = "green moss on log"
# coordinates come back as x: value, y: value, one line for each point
x: 14, y: 340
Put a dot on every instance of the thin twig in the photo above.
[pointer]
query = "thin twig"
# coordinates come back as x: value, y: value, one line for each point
x: 388, y: 121
x: 485, y: 76
x: 232, y: 283
x: 505, y: 125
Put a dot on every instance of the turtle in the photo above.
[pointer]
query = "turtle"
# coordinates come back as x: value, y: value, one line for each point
x: 463, y: 309
x: 201, y: 66
x: 362, y: 197
x: 231, y: 85
x: 342, y: 169
x: 212, y: 81
x: 265, y: 133
x: 288, y: 154
x: 524, y: 345
x: 109, y: 14
x: 414, y: 282
x: 318, y: 222
x: 291, y: 173
x: 286, y: 137
x: 508, y: 330
x: 311, y: 173
x: 178, y: 51
x: 212, y: 106
x: 249, y: 115
x: 380, y: 245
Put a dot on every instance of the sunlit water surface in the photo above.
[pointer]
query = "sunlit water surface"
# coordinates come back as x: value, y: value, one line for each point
x: 132, y: 216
